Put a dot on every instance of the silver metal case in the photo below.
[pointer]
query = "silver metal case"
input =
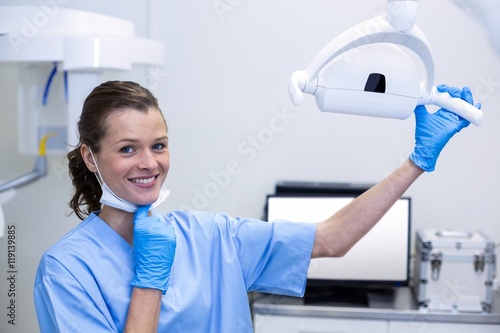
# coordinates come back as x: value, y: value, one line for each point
x: 454, y: 271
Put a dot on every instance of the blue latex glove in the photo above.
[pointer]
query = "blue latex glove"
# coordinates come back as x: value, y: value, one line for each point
x: 434, y: 130
x: 154, y: 250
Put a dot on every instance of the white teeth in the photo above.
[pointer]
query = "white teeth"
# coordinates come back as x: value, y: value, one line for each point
x: 143, y: 181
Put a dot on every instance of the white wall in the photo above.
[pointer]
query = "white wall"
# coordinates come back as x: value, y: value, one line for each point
x: 225, y: 80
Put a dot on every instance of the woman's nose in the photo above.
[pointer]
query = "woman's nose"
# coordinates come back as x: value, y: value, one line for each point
x: 147, y: 160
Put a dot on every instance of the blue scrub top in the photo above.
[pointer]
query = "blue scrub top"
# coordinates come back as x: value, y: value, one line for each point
x: 83, y: 281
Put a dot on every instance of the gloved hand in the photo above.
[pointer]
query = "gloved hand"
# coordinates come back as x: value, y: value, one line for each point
x: 434, y: 130
x: 154, y: 250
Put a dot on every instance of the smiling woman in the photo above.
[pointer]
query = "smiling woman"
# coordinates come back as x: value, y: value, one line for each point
x: 127, y: 268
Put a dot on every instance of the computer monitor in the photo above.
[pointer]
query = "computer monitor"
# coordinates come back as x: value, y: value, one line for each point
x: 381, y: 258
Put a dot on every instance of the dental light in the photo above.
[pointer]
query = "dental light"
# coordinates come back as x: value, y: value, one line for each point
x: 366, y: 71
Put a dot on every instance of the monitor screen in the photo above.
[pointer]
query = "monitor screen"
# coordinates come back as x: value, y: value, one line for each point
x: 381, y: 257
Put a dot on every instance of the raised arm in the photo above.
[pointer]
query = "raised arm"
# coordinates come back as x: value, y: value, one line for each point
x: 339, y: 233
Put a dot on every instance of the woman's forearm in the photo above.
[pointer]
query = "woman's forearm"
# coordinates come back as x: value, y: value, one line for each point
x: 144, y: 311
x: 339, y: 233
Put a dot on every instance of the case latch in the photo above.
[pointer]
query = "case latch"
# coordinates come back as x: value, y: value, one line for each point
x: 479, y: 261
x: 436, y: 261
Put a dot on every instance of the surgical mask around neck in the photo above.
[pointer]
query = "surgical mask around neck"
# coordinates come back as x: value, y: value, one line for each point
x: 109, y: 198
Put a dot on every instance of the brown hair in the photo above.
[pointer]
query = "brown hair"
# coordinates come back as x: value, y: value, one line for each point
x: 105, y: 99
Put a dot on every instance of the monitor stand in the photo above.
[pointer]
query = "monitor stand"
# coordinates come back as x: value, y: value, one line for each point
x: 342, y: 296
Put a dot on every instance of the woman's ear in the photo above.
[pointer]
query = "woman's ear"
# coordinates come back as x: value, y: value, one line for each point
x: 87, y: 158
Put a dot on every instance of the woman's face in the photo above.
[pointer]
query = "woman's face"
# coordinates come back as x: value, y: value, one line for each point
x: 134, y: 158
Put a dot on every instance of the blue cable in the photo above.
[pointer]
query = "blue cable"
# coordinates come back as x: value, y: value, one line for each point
x: 48, y: 84
x: 66, y: 86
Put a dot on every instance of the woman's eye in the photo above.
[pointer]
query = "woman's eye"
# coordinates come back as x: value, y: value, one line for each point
x: 126, y: 150
x: 158, y: 146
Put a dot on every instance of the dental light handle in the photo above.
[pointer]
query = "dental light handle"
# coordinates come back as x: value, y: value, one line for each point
x: 455, y: 105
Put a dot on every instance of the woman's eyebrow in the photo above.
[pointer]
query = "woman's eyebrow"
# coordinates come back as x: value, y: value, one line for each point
x: 123, y: 140
x: 134, y: 140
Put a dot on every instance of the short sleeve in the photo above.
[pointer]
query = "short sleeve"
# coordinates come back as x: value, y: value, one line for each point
x: 62, y: 305
x: 275, y: 256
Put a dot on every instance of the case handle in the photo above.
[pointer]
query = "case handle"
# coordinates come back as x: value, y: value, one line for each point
x: 453, y: 234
